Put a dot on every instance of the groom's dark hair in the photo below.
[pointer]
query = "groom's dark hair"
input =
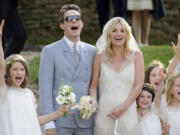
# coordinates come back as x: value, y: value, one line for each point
x: 66, y: 8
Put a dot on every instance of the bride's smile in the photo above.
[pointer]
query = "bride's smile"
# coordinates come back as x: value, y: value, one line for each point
x: 118, y: 35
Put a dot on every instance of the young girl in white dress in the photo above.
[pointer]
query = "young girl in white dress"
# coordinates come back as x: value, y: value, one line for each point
x: 153, y: 77
x: 148, y: 115
x: 18, y: 114
x: 173, y: 104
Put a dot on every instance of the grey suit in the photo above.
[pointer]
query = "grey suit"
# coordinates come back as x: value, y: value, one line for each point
x: 59, y: 65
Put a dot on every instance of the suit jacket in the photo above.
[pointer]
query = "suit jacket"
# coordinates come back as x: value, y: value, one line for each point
x: 59, y: 66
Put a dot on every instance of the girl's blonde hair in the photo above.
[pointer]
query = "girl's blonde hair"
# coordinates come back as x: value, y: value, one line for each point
x: 108, y: 28
x: 170, y: 88
x: 9, y: 61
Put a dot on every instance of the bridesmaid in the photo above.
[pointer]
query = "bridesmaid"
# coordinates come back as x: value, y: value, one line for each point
x: 173, y: 104
x: 153, y: 77
x: 18, y: 114
x: 149, y: 120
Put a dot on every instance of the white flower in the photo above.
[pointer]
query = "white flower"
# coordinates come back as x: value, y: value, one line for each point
x: 72, y: 97
x: 66, y: 96
x: 60, y: 99
x: 86, y: 107
x: 66, y: 88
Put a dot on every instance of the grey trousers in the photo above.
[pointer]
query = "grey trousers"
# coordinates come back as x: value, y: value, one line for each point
x: 75, y: 131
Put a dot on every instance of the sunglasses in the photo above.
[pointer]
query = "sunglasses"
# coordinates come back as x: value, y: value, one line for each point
x: 70, y: 18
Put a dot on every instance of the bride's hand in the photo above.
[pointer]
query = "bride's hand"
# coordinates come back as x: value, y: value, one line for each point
x: 95, y: 102
x: 116, y: 112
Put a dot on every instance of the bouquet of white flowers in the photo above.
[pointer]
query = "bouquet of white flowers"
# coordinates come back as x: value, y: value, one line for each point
x: 66, y: 96
x: 86, y: 107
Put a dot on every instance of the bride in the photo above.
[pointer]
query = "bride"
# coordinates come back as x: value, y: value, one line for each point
x: 119, y: 69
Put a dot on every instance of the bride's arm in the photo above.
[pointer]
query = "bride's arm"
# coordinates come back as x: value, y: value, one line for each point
x: 2, y: 62
x: 139, y: 77
x: 95, y: 76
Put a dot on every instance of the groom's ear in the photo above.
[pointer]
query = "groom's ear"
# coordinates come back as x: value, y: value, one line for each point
x: 61, y: 25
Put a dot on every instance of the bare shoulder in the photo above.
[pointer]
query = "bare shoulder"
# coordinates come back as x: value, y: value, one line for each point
x: 97, y: 59
x: 138, y: 55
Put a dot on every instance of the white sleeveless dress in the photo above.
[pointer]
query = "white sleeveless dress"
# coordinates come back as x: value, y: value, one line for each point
x: 150, y: 124
x: 174, y: 120
x: 18, y: 112
x: 114, y: 89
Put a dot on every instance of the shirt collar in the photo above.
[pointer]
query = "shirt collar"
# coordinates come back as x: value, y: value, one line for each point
x: 70, y: 43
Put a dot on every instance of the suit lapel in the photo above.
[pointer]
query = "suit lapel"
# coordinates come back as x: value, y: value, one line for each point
x: 68, y: 53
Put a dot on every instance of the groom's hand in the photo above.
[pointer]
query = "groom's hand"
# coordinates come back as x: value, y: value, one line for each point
x: 51, y: 131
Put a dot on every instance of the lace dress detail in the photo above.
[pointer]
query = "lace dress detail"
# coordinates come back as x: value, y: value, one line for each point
x: 115, y: 87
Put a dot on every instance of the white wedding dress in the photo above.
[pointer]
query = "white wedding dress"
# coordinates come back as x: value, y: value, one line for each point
x: 18, y: 112
x: 114, y: 90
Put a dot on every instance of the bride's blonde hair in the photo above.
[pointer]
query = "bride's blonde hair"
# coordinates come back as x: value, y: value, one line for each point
x: 108, y: 28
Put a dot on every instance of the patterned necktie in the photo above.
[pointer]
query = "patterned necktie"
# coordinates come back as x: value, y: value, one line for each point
x: 76, y: 52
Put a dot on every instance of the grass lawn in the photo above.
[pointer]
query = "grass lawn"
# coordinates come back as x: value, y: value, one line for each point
x: 163, y: 53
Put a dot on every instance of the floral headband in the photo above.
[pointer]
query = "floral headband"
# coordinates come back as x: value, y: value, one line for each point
x: 15, y: 58
x: 147, y: 86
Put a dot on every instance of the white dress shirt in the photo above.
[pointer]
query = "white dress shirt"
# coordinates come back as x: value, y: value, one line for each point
x: 70, y: 44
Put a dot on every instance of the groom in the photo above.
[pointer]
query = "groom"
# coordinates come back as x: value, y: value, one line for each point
x: 68, y: 60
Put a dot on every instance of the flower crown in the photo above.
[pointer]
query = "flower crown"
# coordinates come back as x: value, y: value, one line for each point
x: 15, y: 58
x: 148, y: 86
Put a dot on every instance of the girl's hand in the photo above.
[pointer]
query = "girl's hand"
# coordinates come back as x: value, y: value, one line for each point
x: 165, y: 128
x: 1, y: 27
x: 65, y: 108
x: 162, y: 78
x: 116, y: 112
x: 177, y: 48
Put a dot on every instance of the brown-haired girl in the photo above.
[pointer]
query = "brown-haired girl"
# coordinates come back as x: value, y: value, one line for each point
x: 149, y: 120
x: 18, y: 114
x: 152, y: 75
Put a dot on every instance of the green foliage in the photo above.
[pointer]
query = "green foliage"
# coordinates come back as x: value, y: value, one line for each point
x: 163, y: 53
x: 34, y: 69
